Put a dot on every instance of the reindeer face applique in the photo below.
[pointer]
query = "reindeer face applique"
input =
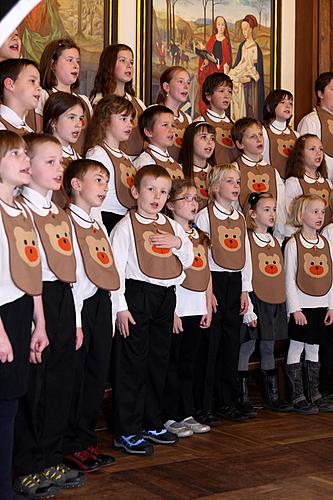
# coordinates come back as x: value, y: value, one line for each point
x: 201, y: 186
x: 330, y: 126
x: 26, y: 244
x: 258, y: 183
x: 152, y: 249
x: 285, y: 146
x: 315, y: 266
x: 59, y: 236
x: 223, y: 137
x: 323, y: 193
x: 200, y: 261
x: 175, y: 174
x: 269, y: 265
x: 230, y: 238
x: 99, y: 251
x: 127, y: 173
x: 178, y: 137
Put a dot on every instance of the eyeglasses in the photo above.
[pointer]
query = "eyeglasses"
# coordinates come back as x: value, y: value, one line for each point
x: 189, y: 198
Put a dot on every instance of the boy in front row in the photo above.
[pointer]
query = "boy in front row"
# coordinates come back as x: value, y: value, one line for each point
x: 150, y: 252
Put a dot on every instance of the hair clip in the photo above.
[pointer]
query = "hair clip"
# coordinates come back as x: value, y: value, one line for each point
x: 201, y: 123
x: 253, y: 199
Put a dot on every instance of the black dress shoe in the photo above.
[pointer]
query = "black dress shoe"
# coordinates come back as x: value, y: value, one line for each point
x: 246, y: 409
x: 230, y: 412
x: 206, y: 418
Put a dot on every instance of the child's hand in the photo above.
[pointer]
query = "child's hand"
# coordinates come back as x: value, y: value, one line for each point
x: 244, y: 303
x: 123, y: 317
x: 177, y: 324
x: 206, y: 320
x: 329, y: 317
x: 162, y: 239
x: 39, y: 341
x: 252, y: 324
x: 79, y: 338
x: 6, y: 350
x: 300, y: 318
x: 214, y: 303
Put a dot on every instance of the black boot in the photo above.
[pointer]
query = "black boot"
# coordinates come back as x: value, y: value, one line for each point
x: 272, y: 400
x: 245, y: 405
x: 298, y: 400
x: 311, y: 369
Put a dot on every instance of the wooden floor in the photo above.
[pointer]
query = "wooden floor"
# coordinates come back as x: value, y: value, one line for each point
x: 275, y: 457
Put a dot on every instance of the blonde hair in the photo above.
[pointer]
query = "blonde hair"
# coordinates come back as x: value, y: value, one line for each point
x: 250, y: 208
x: 217, y: 174
x: 298, y: 207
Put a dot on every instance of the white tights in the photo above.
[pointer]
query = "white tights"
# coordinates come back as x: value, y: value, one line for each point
x: 296, y: 349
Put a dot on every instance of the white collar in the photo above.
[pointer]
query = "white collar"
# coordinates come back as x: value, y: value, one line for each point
x: 198, y: 169
x: 81, y: 217
x: 309, y: 180
x: 114, y: 151
x: 13, y: 211
x: 279, y: 128
x: 216, y: 117
x: 221, y: 213
x: 258, y: 237
x: 250, y: 163
x: 312, y: 243
x: 159, y: 153
x: 13, y: 118
x: 180, y: 117
x: 39, y: 203
x: 69, y: 151
x: 144, y: 220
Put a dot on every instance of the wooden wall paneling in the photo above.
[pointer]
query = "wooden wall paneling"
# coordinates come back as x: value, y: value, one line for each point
x: 324, y: 45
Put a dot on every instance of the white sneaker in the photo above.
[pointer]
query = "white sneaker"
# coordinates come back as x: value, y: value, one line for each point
x: 178, y: 428
x: 196, y: 427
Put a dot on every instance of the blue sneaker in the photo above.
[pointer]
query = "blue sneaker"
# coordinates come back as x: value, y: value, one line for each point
x: 134, y: 444
x: 160, y: 436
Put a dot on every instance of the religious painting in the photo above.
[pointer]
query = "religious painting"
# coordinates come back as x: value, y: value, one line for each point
x: 237, y: 37
x: 88, y: 23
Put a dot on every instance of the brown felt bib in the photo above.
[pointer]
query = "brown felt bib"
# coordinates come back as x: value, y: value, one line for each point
x: 20, y: 131
x: 314, y: 268
x: 97, y: 256
x: 172, y: 167
x: 321, y: 189
x: 326, y: 123
x: 268, y: 279
x: 158, y: 263
x: 228, y: 240
x: 280, y: 148
x: 134, y: 145
x: 225, y: 150
x: 200, y: 180
x: 124, y: 173
x: 178, y: 129
x: 256, y: 179
x: 55, y: 233
x: 198, y: 274
x: 24, y: 257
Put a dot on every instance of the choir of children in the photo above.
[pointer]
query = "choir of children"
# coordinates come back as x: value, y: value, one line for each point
x: 195, y: 275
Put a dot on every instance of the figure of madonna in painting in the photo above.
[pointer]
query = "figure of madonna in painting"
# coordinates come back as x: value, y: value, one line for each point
x: 216, y: 56
x: 247, y: 75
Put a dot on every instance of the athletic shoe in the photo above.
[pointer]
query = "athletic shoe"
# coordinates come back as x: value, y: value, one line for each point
x: 160, y: 436
x: 64, y: 477
x: 231, y: 413
x: 96, y: 454
x: 195, y: 426
x: 178, y: 428
x: 82, y: 460
x: 35, y: 486
x: 134, y: 444
x: 207, y: 418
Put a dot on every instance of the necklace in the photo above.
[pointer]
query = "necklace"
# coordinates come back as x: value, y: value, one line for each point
x: 72, y: 153
x: 313, y: 178
x: 279, y: 129
x: 222, y: 212
x: 91, y: 221
x: 156, y: 150
x: 264, y: 241
x: 148, y: 218
x: 201, y: 168
x: 45, y: 208
x: 311, y: 242
x: 15, y: 206
x: 254, y: 162
x: 115, y: 150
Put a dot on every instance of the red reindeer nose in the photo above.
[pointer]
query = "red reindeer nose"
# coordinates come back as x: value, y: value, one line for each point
x: 259, y: 187
x: 198, y: 262
x: 287, y: 151
x: 179, y: 141
x: 317, y: 270
x: 231, y: 243
x: 227, y: 141
x: 130, y: 181
x: 204, y: 192
x: 65, y: 244
x: 103, y: 257
x: 161, y: 251
x: 31, y: 253
x: 271, y: 269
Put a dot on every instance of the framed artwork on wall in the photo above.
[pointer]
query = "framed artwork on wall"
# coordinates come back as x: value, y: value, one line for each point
x: 237, y: 37
x: 91, y: 24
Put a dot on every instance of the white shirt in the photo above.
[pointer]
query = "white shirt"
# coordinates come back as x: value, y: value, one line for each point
x: 13, y: 118
x: 202, y: 221
x: 44, y: 97
x: 296, y: 299
x: 8, y: 290
x: 69, y: 152
x: 215, y: 117
x: 146, y: 159
x: 111, y: 202
x: 310, y: 124
x: 129, y: 97
x: 294, y: 189
x: 276, y: 128
x: 124, y: 251
x: 279, y: 228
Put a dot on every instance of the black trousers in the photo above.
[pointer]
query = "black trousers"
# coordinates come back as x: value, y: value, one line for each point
x: 110, y: 220
x: 91, y: 369
x: 223, y: 343
x: 178, y: 392
x: 8, y: 409
x: 141, y: 360
x: 43, y: 412
x: 326, y: 360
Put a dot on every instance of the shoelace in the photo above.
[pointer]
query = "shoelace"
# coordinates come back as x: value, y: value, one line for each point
x: 31, y: 480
